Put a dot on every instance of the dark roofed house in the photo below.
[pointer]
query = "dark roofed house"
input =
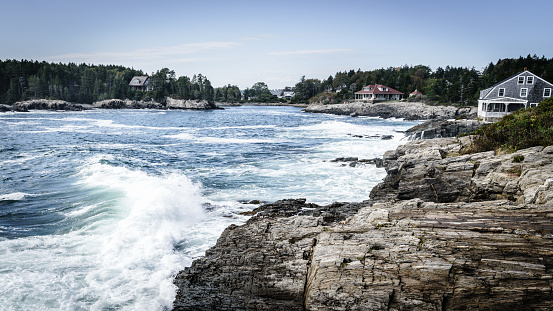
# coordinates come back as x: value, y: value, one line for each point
x: 141, y: 83
x: 377, y: 92
x: 523, y: 90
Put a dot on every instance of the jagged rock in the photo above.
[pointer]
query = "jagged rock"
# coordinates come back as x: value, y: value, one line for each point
x: 46, y: 104
x: 433, y: 171
x: 353, y: 161
x: 189, y: 104
x: 406, y: 110
x: 438, y: 235
x: 442, y: 128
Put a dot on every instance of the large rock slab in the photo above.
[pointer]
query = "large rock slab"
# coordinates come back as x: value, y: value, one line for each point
x: 410, y: 255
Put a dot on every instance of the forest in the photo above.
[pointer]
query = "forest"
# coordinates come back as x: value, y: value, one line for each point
x: 449, y: 85
x: 82, y: 83
x: 23, y: 80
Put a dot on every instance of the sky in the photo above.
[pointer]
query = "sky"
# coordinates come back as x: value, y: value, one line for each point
x: 241, y: 42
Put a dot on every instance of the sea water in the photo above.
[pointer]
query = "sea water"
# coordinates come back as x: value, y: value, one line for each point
x: 100, y: 209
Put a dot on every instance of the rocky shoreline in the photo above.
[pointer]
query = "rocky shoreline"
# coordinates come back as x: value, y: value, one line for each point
x: 405, y: 110
x: 443, y: 231
x: 170, y: 103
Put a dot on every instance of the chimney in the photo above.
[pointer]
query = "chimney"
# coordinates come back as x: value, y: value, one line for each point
x: 525, y: 68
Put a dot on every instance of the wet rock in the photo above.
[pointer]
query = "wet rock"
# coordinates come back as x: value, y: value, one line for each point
x: 443, y: 231
x: 442, y: 128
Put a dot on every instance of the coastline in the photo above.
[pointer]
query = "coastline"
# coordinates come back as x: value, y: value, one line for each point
x: 48, y: 104
x: 405, y: 110
x: 442, y: 231
x: 221, y: 104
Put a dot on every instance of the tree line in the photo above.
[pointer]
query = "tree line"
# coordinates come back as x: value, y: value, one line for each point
x: 458, y: 85
x: 82, y: 83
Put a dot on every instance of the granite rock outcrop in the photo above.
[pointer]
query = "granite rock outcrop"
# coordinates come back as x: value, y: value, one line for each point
x: 169, y: 103
x: 443, y: 128
x: 405, y: 110
x: 444, y: 231
x: 47, y: 104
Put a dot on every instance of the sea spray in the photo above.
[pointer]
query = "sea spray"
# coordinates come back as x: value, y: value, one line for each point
x: 121, y: 257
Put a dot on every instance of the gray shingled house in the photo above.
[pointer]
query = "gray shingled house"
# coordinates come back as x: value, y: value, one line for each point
x: 141, y: 83
x: 522, y: 90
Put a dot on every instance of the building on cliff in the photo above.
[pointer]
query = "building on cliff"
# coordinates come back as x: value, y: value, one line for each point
x: 523, y: 90
x: 141, y: 83
x: 377, y: 92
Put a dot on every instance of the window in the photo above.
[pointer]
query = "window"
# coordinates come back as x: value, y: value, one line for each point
x: 520, y: 80
x: 501, y: 92
x: 547, y: 92
x: 523, y: 92
x: 529, y: 80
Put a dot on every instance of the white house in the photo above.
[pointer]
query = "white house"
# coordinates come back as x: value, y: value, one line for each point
x: 522, y: 90
x: 377, y: 92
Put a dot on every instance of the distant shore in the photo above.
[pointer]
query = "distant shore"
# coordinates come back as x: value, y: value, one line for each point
x: 394, y: 109
x: 48, y: 104
x: 221, y: 104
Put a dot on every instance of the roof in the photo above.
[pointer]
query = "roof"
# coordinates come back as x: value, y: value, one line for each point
x: 375, y: 89
x: 138, y: 80
x: 511, y: 89
x: 416, y: 92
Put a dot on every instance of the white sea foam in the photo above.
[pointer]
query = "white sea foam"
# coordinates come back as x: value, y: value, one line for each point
x: 240, y: 127
x: 218, y: 140
x: 16, y: 196
x: 123, y: 257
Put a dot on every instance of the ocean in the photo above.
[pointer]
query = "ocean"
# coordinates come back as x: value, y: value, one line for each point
x: 100, y: 209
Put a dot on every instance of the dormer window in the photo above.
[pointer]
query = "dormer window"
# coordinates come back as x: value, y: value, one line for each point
x: 529, y: 80
x: 501, y: 92
x: 521, y: 80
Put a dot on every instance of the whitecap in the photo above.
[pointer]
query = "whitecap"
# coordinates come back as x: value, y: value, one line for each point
x: 16, y: 196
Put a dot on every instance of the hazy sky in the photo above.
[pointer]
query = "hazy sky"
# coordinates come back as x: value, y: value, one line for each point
x: 243, y: 42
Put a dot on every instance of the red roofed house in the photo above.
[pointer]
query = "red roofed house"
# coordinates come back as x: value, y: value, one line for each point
x: 415, y: 93
x: 377, y: 92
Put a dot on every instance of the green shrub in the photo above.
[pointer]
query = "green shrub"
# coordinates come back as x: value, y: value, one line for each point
x: 518, y: 158
x: 521, y: 129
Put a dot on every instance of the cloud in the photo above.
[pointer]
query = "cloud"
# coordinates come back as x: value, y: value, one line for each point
x: 311, y: 52
x: 180, y: 53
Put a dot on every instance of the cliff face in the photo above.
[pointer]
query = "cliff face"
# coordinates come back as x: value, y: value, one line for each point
x: 438, y: 234
x: 406, y: 110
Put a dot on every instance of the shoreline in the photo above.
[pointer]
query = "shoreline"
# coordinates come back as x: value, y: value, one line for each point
x: 61, y: 105
x: 394, y: 109
x: 442, y: 231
